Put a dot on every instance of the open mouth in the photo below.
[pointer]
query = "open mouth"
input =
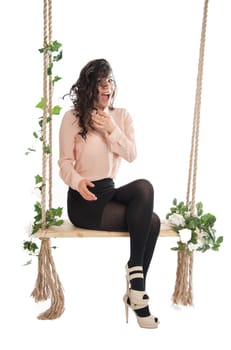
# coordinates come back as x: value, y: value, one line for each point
x: 105, y: 97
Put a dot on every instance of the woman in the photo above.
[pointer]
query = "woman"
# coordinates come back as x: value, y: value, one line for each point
x: 94, y: 136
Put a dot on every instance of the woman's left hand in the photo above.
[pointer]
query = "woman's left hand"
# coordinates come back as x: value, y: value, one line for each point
x: 103, y: 122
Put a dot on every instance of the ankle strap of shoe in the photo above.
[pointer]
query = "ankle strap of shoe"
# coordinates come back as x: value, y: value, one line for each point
x: 134, y: 268
x: 136, y: 275
x: 134, y: 272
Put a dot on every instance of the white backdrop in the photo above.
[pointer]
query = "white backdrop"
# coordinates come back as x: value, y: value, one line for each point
x: 153, y: 47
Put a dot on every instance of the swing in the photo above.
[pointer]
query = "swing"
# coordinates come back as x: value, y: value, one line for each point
x: 69, y: 230
x: 48, y: 284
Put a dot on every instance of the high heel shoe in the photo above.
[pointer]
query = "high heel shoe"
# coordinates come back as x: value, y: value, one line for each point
x: 137, y: 300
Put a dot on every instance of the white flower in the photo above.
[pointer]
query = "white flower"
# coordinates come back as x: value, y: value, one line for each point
x: 176, y: 220
x: 192, y: 246
x: 200, y: 242
x: 195, y: 229
x: 185, y: 235
x: 202, y: 234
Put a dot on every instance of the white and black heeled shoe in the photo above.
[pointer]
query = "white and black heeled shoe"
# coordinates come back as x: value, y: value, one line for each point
x: 137, y: 300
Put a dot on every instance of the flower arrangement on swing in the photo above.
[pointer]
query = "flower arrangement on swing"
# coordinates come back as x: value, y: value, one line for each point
x: 196, y: 232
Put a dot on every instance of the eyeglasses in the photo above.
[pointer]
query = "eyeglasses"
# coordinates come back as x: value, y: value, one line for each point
x: 105, y: 82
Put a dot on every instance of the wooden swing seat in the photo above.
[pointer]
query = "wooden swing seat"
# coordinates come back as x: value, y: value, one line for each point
x: 69, y: 230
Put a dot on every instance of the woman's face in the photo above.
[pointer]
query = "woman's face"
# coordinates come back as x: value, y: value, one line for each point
x: 106, y: 89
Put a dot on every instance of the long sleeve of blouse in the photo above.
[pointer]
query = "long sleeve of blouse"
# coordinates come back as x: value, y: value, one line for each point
x: 98, y: 156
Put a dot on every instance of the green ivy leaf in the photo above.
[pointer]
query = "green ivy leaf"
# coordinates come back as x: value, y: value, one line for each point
x: 174, y: 201
x: 49, y: 69
x: 56, y: 110
x: 199, y: 207
x: 175, y: 248
x: 40, y: 104
x: 38, y: 179
x: 56, y: 78
x: 47, y: 149
x: 55, y: 46
x: 219, y: 240
x: 30, y: 246
x: 59, y: 222
x: 58, y: 57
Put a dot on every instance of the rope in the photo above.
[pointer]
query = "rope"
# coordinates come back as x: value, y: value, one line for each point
x: 192, y: 176
x: 183, y: 293
x: 50, y: 87
x: 44, y: 124
x: 48, y: 284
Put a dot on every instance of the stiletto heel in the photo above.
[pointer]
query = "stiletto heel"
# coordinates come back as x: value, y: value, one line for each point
x: 137, y: 300
x: 126, y: 307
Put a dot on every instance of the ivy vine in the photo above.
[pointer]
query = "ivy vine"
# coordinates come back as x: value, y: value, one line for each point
x: 53, y: 215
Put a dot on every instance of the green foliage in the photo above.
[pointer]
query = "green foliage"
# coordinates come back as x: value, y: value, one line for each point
x: 55, y: 79
x: 52, y: 215
x: 30, y: 246
x: 38, y: 179
x: 52, y: 218
x: 55, y: 53
x: 56, y: 110
x: 196, y: 232
x: 53, y: 50
x: 47, y: 149
x: 54, y: 46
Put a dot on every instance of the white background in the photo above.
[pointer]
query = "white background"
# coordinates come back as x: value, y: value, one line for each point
x: 153, y: 47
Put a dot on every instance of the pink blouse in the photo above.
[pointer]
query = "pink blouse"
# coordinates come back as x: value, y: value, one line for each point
x: 100, y: 155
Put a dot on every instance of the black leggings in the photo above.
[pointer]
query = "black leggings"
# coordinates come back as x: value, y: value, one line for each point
x: 131, y: 209
x: 127, y: 208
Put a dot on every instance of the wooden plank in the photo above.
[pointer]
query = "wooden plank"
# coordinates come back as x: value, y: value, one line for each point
x: 69, y: 230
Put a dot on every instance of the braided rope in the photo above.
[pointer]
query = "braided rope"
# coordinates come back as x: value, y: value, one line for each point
x: 48, y: 284
x: 192, y: 176
x: 183, y: 293
x: 50, y: 89
x: 44, y: 124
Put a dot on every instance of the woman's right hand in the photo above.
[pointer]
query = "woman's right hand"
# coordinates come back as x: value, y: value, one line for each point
x: 84, y: 191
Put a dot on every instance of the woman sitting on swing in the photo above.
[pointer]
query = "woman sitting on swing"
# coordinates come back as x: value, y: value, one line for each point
x: 93, y: 137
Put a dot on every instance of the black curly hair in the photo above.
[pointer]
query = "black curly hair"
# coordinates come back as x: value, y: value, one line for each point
x: 84, y: 93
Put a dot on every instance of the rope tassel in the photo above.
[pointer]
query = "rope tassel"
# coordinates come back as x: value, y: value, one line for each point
x: 48, y: 284
x: 183, y: 294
